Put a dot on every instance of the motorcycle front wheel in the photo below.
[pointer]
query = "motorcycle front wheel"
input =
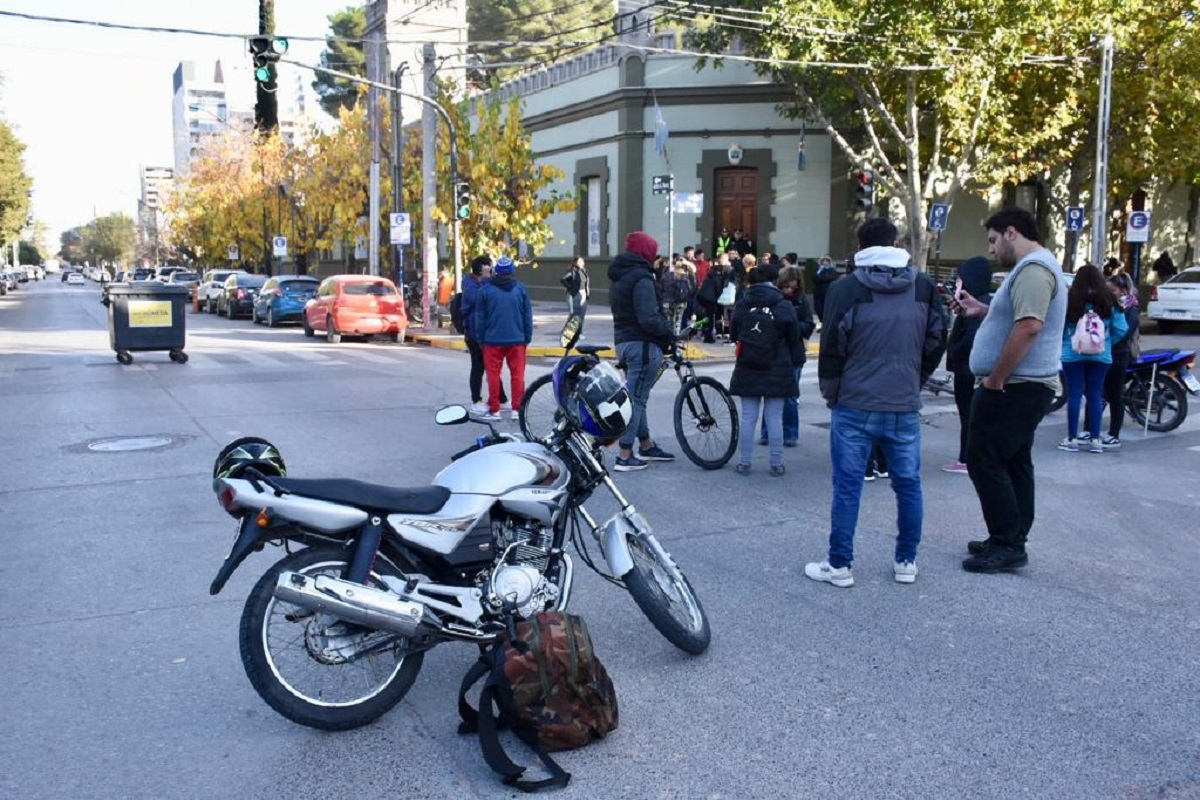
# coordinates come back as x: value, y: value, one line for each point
x: 663, y: 593
x: 1168, y: 407
x: 314, y: 668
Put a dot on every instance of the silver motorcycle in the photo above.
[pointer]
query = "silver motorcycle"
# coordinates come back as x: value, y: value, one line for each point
x: 333, y: 635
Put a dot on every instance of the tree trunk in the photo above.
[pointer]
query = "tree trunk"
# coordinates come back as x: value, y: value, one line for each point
x: 1189, y: 238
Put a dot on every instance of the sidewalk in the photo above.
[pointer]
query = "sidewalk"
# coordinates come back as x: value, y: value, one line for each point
x: 548, y: 319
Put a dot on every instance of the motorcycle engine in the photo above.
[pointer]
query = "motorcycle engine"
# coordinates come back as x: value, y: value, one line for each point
x: 517, y: 581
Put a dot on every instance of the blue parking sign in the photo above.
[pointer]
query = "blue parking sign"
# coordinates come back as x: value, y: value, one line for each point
x: 1074, y: 218
x: 937, y: 216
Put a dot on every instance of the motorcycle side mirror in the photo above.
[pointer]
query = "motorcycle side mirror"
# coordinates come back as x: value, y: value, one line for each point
x: 451, y: 415
x: 570, y: 332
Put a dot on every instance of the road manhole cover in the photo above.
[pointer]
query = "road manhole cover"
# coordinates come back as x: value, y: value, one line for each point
x: 126, y: 444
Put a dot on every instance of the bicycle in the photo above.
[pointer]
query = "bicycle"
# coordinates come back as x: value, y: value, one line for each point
x: 706, y: 418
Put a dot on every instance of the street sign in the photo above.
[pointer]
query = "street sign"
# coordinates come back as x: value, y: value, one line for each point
x: 937, y: 216
x: 1074, y: 218
x: 231, y: 252
x: 1137, y: 229
x: 662, y: 184
x: 279, y: 246
x: 689, y: 203
x: 401, y: 228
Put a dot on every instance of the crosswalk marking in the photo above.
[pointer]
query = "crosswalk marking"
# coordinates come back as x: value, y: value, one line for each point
x: 308, y: 355
x: 373, y: 358
x: 258, y: 359
x: 201, y: 361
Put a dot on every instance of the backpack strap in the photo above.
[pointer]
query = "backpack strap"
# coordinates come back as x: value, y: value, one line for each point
x: 470, y: 717
x: 498, y: 760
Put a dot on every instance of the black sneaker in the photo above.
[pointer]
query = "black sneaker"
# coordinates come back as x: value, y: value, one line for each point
x: 996, y: 559
x: 978, y: 546
x: 631, y: 464
x: 655, y: 453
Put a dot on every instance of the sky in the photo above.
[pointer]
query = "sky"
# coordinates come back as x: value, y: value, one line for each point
x: 93, y: 105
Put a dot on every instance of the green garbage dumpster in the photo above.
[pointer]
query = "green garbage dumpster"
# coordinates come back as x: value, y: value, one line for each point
x: 146, y: 315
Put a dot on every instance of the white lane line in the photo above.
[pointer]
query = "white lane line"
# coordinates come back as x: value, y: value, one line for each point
x: 200, y: 361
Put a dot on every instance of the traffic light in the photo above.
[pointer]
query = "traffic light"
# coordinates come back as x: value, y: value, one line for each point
x: 462, y: 200
x: 266, y: 50
x: 864, y: 190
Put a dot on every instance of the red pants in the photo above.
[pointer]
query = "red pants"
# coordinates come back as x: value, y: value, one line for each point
x: 494, y: 357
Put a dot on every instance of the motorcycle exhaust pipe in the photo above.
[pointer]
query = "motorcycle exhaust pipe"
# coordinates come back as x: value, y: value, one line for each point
x: 352, y: 602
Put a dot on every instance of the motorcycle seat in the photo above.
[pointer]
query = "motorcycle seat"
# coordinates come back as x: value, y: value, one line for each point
x: 368, y: 496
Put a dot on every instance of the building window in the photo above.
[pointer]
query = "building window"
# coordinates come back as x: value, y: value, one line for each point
x: 595, y: 211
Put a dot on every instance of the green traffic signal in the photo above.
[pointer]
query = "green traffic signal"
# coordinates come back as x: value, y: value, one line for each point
x: 262, y: 74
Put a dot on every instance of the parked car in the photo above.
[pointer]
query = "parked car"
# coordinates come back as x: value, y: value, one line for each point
x: 143, y: 274
x: 75, y: 279
x: 362, y: 305
x: 1176, y: 300
x: 282, y: 299
x: 183, y: 278
x: 237, y: 297
x: 11, y: 278
x: 65, y: 274
x: 211, y: 286
x: 163, y: 274
x: 122, y: 276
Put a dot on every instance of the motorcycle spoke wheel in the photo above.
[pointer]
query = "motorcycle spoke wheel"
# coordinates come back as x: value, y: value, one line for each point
x: 664, y: 595
x: 538, y: 409
x: 1168, y: 407
x: 706, y: 422
x: 316, y: 669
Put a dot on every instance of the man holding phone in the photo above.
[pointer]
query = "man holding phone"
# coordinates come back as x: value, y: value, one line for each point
x: 1016, y: 357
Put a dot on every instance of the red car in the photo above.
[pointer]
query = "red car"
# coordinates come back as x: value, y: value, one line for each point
x: 359, y: 305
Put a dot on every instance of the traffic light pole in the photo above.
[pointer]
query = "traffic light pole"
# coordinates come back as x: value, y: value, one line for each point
x: 457, y: 255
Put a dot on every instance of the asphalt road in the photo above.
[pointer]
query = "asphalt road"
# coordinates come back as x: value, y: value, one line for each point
x: 1076, y: 678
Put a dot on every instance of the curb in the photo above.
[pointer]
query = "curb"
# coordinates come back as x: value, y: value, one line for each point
x: 694, y: 351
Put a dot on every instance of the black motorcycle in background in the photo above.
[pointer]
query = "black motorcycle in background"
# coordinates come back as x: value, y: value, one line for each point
x: 1157, y: 385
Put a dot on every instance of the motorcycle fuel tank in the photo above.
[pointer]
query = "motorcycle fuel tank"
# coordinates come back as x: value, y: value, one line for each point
x: 500, y: 468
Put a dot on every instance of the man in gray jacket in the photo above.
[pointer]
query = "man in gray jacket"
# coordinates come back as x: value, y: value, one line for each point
x: 884, y: 334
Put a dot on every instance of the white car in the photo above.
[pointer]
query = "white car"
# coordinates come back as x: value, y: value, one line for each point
x: 75, y: 279
x: 1177, y: 300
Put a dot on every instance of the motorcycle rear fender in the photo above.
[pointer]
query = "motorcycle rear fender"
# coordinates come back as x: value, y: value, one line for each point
x: 252, y: 537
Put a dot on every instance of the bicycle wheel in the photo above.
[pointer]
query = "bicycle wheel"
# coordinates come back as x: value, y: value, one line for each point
x: 538, y: 407
x: 706, y: 422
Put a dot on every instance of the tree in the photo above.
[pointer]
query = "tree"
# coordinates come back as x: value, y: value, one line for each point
x: 15, y: 185
x: 929, y: 97
x: 71, y: 245
x: 344, y: 53
x: 109, y: 239
x: 507, y: 31
x: 509, y: 189
x: 28, y: 253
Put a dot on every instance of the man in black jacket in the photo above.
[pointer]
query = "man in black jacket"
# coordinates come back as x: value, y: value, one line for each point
x: 642, y: 334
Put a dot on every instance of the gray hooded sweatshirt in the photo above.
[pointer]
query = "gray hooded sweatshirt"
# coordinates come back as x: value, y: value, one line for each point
x: 883, y: 335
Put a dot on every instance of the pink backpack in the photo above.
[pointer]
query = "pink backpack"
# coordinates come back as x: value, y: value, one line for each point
x: 1088, y: 339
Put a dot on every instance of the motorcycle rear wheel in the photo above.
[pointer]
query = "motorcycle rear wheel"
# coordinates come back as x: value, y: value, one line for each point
x: 1169, y: 406
x: 281, y: 644
x: 663, y: 593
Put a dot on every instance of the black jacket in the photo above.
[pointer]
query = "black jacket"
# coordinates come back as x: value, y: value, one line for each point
x: 804, y: 320
x: 711, y: 288
x: 976, y: 276
x: 636, y: 308
x: 778, y: 380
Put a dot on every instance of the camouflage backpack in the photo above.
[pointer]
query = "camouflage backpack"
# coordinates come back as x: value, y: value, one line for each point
x: 550, y: 689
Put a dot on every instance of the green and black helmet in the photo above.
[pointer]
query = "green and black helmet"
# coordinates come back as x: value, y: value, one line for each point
x: 249, y: 451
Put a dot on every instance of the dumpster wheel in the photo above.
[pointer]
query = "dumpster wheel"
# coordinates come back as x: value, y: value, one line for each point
x: 125, y: 357
x: 178, y: 356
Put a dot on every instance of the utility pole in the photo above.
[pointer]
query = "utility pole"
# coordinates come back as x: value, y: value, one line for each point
x: 397, y: 169
x: 376, y: 53
x: 266, y: 116
x: 1100, y: 190
x: 429, y: 239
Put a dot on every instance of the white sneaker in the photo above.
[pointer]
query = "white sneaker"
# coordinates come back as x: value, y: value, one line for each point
x: 478, y: 408
x: 509, y: 415
x: 488, y: 417
x: 905, y: 571
x: 821, y: 571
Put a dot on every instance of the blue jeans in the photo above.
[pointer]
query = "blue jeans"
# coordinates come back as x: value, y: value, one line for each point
x: 1085, y: 379
x: 852, y: 434
x: 791, y: 415
x: 641, y: 367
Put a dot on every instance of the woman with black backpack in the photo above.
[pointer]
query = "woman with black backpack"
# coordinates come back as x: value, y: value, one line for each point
x: 769, y: 348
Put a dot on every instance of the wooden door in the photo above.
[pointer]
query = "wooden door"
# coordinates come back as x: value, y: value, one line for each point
x: 736, y: 203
